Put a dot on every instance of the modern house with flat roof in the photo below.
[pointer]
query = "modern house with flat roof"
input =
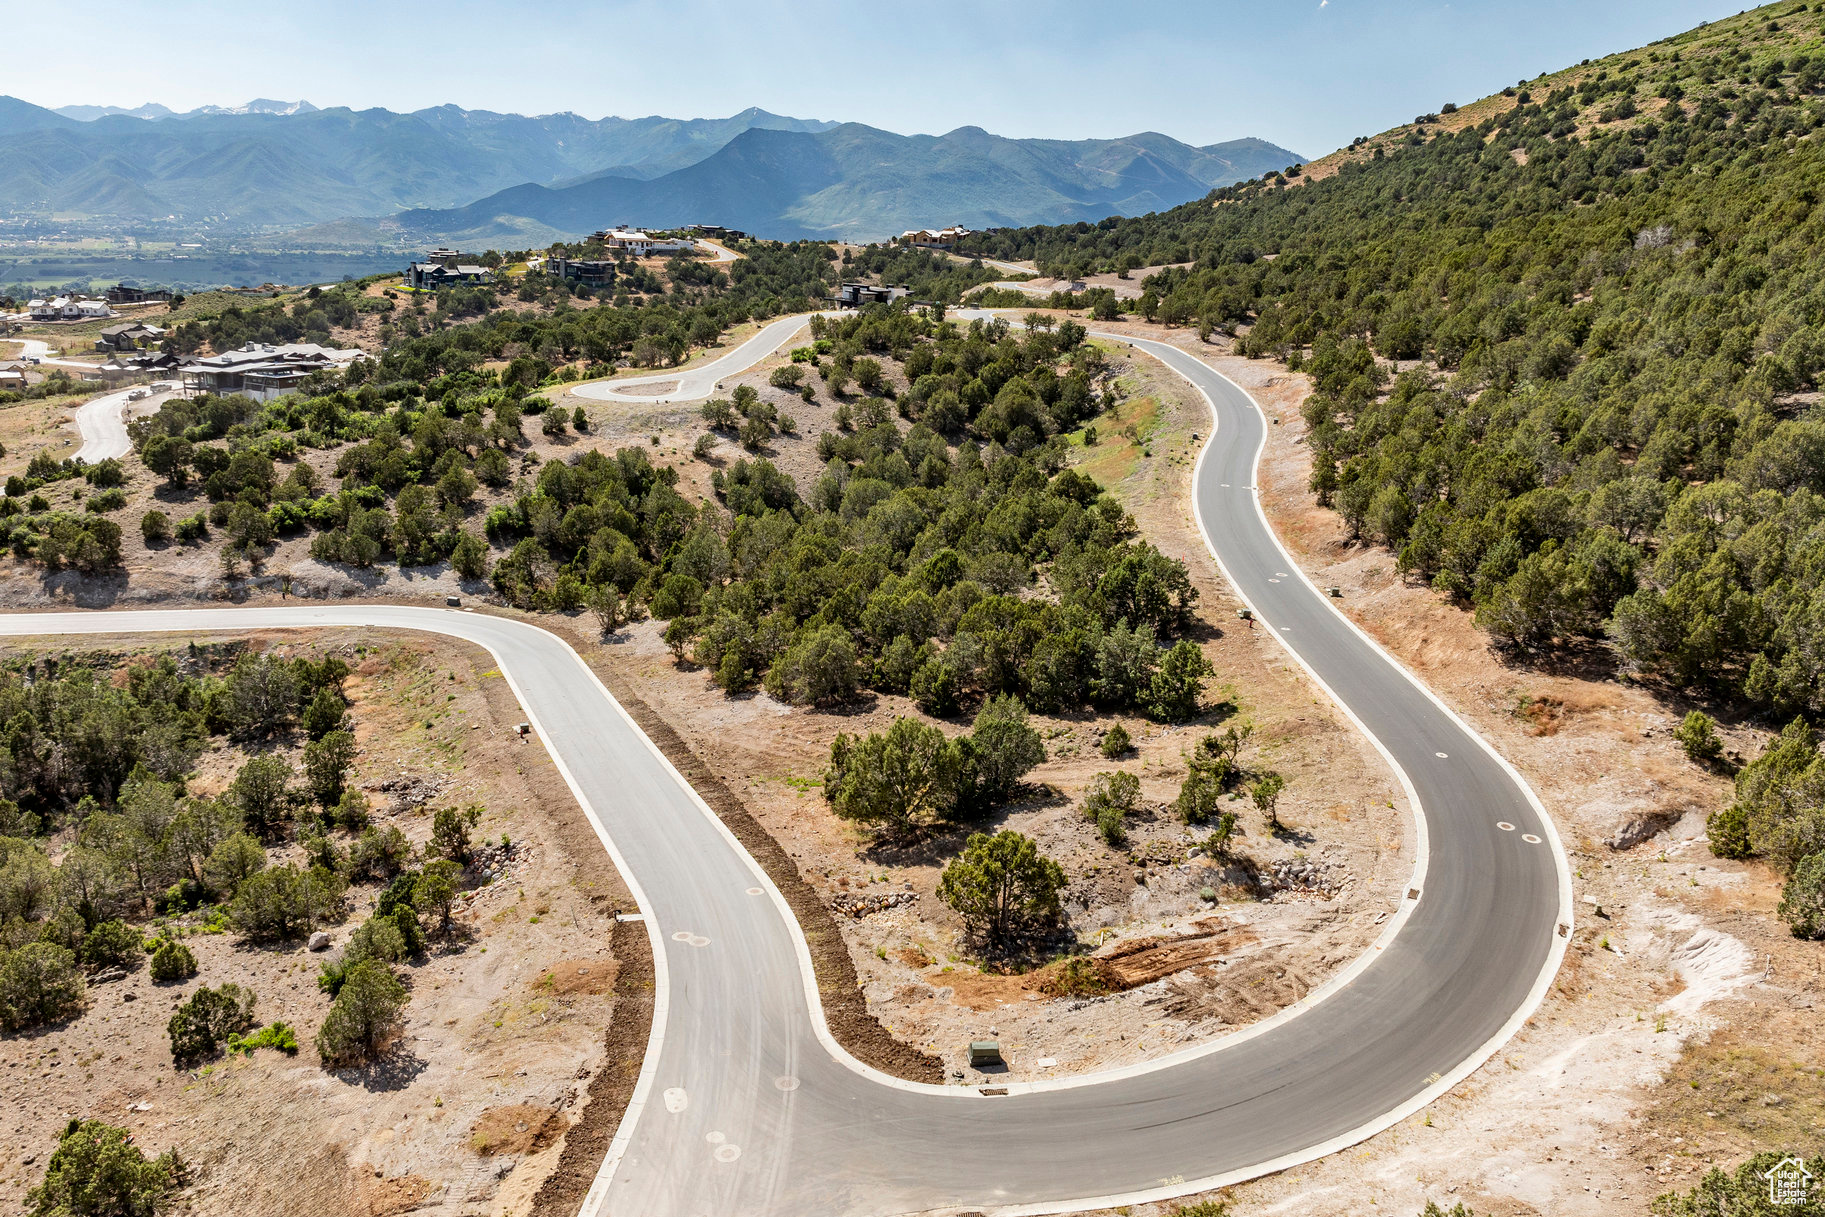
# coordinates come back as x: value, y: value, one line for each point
x: 855, y: 295
x: 263, y: 371
x: 596, y: 272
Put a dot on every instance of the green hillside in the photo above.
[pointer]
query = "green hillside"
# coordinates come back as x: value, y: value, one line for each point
x: 1567, y: 344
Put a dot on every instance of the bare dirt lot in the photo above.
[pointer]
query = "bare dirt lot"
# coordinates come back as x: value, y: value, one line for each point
x: 511, y: 1023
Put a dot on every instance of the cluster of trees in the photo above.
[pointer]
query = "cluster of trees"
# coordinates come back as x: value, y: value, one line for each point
x: 910, y: 566
x: 1779, y: 815
x: 310, y: 318
x: 913, y: 777
x: 71, y: 734
x: 1605, y: 324
x: 142, y: 846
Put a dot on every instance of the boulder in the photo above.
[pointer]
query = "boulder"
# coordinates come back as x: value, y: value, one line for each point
x: 320, y: 941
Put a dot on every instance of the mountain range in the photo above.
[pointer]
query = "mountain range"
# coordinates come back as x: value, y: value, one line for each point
x: 337, y: 176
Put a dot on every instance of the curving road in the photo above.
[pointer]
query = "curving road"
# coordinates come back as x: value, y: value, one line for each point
x: 103, y: 424
x: 699, y: 382
x: 746, y: 1106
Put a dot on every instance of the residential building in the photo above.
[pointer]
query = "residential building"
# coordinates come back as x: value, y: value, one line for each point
x: 935, y: 238
x: 68, y: 308
x: 596, y: 272
x: 128, y: 336
x: 264, y: 371
x: 12, y: 376
x: 855, y: 295
x: 120, y: 293
x: 637, y: 244
x: 431, y: 275
x: 717, y: 232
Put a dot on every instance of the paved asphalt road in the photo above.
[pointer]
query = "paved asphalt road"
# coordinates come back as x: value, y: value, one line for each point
x: 745, y: 1105
x: 103, y: 425
x: 699, y: 382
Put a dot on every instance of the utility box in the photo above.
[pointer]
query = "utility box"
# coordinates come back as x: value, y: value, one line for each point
x: 1336, y: 592
x: 453, y: 601
x: 1246, y: 614
x: 985, y: 1052
x: 524, y: 729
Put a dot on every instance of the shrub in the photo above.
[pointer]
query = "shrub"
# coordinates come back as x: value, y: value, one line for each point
x: 895, y: 783
x: 172, y: 960
x: 113, y: 944
x: 1108, y: 801
x: 231, y: 862
x: 1697, y: 734
x: 1743, y: 1192
x: 365, y: 1016
x: 381, y: 852
x: 155, y: 527
x: 1078, y: 976
x: 208, y: 1019
x: 1179, y: 683
x: 1005, y: 749
x: 284, y: 902
x: 274, y: 1035
x: 1003, y: 887
x: 434, y: 893
x: 39, y: 984
x: 1116, y: 741
x: 97, y: 1171
x: 107, y: 500
x: 450, y: 834
x: 1803, y: 899
x: 817, y: 670
x: 1727, y: 829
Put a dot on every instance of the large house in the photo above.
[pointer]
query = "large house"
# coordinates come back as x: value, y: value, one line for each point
x: 264, y: 371
x: 637, y: 244
x: 68, y: 308
x: 128, y: 336
x: 120, y: 293
x: 444, y: 268
x: 935, y: 238
x: 855, y: 295
x: 596, y: 272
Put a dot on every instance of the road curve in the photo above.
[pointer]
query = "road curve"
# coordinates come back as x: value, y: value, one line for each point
x: 696, y: 383
x: 746, y: 1105
x: 103, y: 425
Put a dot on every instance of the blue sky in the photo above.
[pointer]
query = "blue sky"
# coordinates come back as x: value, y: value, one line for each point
x: 1306, y: 75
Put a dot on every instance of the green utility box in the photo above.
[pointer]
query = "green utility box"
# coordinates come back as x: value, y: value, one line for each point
x: 985, y: 1052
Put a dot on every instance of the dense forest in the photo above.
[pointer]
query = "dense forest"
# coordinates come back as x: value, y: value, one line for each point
x: 1565, y: 342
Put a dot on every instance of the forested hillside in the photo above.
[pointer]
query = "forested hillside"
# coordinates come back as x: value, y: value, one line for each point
x: 1566, y: 343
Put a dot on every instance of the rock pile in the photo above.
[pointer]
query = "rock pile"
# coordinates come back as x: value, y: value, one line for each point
x: 407, y: 791
x: 1304, y: 875
x: 861, y: 904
